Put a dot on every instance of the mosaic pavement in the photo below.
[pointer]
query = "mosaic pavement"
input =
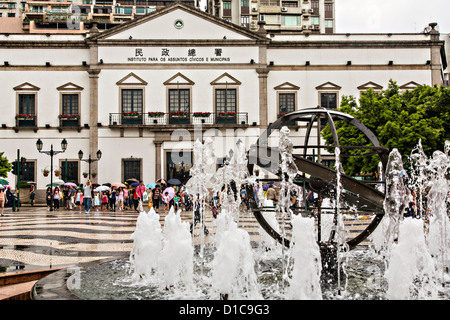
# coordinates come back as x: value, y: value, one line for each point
x: 36, y: 238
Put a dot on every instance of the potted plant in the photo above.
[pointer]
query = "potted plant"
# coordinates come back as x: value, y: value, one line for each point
x: 256, y: 172
x: 201, y: 114
x: 85, y: 174
x: 156, y: 114
x: 94, y: 174
x: 57, y: 173
x: 45, y: 172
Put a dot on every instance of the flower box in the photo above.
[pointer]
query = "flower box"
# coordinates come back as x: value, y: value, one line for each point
x: 156, y: 114
x: 68, y: 116
x: 85, y: 174
x: 201, y: 114
x: 25, y: 116
x: 179, y: 114
x: 130, y: 114
x: 57, y: 173
x: 45, y: 173
x: 227, y: 114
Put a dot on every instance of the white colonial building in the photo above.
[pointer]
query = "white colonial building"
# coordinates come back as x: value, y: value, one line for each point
x: 153, y: 85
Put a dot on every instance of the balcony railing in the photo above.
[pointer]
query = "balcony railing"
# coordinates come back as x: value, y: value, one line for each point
x: 209, y: 118
x: 69, y: 122
x: 26, y: 122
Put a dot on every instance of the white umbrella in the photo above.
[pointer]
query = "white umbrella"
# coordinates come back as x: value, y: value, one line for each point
x: 58, y: 181
x: 101, y: 188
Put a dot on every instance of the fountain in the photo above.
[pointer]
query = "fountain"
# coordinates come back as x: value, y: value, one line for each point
x: 302, y: 253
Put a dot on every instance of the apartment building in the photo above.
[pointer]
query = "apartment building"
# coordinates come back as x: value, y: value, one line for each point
x: 11, y: 8
x: 68, y: 16
x: 307, y: 16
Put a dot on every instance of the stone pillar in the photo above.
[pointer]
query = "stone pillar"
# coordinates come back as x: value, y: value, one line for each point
x: 436, y: 58
x: 157, y: 159
x: 262, y: 77
x: 93, y: 120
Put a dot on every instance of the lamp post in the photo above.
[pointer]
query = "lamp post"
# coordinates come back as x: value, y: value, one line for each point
x: 51, y: 153
x: 89, y: 160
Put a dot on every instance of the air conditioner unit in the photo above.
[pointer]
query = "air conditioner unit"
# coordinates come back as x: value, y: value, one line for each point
x: 283, y: 9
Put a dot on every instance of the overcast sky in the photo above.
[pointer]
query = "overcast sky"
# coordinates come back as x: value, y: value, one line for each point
x: 391, y: 16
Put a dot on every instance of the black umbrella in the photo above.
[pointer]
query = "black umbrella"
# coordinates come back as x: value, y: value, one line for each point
x: 107, y: 184
x: 174, y: 182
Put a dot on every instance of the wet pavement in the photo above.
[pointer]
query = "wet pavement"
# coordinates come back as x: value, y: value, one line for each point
x: 35, y: 238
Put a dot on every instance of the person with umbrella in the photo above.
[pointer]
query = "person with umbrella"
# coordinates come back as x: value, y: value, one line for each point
x: 197, y: 215
x: 2, y: 199
x: 156, y: 194
x: 32, y: 193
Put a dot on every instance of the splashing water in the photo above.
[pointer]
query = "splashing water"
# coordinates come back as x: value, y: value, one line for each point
x: 305, y: 280
x: 147, y: 245
x: 411, y: 271
x: 177, y: 256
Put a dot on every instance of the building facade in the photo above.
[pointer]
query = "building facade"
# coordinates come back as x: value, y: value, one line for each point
x: 144, y: 91
x: 307, y: 16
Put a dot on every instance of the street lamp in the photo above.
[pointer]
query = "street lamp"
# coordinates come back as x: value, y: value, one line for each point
x: 51, y: 153
x: 89, y: 160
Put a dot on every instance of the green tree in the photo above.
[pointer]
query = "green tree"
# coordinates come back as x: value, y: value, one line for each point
x: 5, y: 166
x: 397, y: 119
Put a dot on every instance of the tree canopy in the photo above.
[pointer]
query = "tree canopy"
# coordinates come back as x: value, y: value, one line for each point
x: 398, y: 119
x: 5, y: 166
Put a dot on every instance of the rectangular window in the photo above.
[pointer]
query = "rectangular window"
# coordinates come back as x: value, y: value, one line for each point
x: 225, y: 100
x: 27, y: 104
x: 70, y: 174
x: 69, y: 104
x: 132, y: 100
x: 328, y: 23
x: 132, y: 169
x: 328, y: 100
x: 286, y: 102
x: 315, y: 21
x: 245, y: 20
x: 227, y: 5
x: 179, y: 100
x: 27, y: 171
x: 291, y: 21
x: 244, y: 3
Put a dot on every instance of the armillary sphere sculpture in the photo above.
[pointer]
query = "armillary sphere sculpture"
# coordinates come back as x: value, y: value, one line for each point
x: 318, y: 177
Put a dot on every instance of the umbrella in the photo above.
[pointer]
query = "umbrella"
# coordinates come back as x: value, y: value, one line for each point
x: 107, y: 184
x: 118, y: 185
x: 171, y: 192
x: 134, y: 184
x: 132, y: 180
x: 3, y: 181
x: 31, y: 182
x: 266, y: 187
x: 59, y: 181
x: 101, y: 188
x: 68, y: 184
x: 161, y: 181
x: 2, y: 187
x: 53, y: 185
x: 151, y: 185
x: 174, y: 182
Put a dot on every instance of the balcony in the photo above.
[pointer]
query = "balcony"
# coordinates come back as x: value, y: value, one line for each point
x: 69, y: 121
x: 26, y: 122
x: 151, y: 119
